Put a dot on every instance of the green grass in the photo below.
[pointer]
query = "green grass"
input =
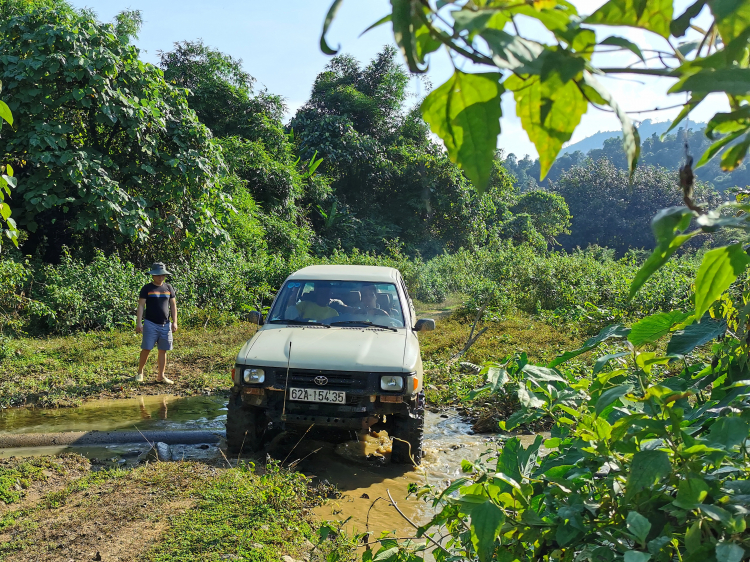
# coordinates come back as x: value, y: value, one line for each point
x: 254, y: 517
x: 17, y: 476
x: 179, y: 511
x: 448, y: 383
x: 60, y: 371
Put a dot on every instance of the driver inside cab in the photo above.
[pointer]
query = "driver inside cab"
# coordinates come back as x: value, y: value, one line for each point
x: 369, y: 306
x: 317, y: 309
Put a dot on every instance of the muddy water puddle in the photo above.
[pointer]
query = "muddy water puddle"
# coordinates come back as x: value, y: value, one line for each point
x: 359, y: 469
x: 162, y: 412
x: 144, y: 413
x: 365, y: 483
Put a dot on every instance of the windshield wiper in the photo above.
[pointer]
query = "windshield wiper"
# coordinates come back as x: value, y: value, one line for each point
x: 297, y: 322
x: 362, y: 323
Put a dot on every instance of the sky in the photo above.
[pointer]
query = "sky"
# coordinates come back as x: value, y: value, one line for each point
x: 278, y: 43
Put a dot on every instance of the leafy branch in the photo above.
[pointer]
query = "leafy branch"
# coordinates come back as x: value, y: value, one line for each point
x: 553, y: 82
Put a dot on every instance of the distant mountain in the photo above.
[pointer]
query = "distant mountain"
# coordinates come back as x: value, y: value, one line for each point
x: 645, y: 130
x: 668, y: 153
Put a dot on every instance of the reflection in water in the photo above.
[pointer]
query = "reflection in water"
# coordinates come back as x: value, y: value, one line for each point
x: 144, y: 412
x: 145, y: 415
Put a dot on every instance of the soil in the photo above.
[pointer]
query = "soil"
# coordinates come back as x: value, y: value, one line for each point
x: 118, y: 519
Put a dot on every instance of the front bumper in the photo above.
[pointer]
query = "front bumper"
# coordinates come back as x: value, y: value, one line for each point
x: 366, y: 403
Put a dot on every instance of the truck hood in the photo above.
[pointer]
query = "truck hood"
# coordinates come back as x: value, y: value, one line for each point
x: 329, y: 349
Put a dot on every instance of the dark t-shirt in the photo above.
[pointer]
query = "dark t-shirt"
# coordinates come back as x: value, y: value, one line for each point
x: 157, y: 302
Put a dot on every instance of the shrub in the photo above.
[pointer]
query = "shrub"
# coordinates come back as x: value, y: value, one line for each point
x: 79, y: 296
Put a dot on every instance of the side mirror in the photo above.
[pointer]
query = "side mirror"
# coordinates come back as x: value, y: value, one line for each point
x: 424, y: 325
x: 255, y: 317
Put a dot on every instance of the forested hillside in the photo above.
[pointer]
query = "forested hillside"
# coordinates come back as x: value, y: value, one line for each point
x: 118, y: 163
x: 668, y: 153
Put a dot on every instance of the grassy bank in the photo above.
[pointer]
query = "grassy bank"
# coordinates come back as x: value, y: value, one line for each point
x: 156, y: 512
x: 61, y: 371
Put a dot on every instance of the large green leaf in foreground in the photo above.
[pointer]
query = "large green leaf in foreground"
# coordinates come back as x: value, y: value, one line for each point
x: 613, y: 331
x: 550, y: 106
x: 648, y: 468
x: 685, y: 341
x: 655, y: 326
x: 719, y: 269
x: 654, y: 15
x: 465, y: 113
x: 486, y: 521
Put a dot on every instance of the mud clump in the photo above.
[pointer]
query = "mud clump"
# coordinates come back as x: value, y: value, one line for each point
x: 372, y: 446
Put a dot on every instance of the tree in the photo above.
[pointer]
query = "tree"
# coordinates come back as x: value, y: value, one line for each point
x: 608, y: 209
x: 667, y: 152
x: 390, y: 179
x: 554, y: 82
x: 221, y: 92
x: 549, y: 212
x: 107, y: 147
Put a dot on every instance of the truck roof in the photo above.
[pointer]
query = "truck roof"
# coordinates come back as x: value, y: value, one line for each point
x: 375, y: 274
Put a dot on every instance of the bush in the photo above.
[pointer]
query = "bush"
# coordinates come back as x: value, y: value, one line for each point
x: 222, y: 284
x: 639, y: 465
x: 98, y: 295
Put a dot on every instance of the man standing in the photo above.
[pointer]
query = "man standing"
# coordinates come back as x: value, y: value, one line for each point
x: 159, y: 299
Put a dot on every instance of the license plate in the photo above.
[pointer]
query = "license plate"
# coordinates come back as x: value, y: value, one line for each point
x: 315, y: 395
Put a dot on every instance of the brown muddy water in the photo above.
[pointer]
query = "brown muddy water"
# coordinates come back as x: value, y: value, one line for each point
x: 360, y: 469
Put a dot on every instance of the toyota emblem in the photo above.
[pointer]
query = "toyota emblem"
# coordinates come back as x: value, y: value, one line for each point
x: 321, y: 381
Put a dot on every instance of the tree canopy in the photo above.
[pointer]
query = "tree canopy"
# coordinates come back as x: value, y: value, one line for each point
x: 389, y: 178
x: 610, y: 210
x: 104, y: 146
x: 667, y: 152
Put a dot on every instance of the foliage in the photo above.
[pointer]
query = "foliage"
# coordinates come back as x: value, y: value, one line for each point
x: 6, y: 222
x: 15, y: 305
x: 549, y: 212
x: 666, y: 152
x: 389, y: 179
x: 638, y: 467
x: 554, y: 82
x: 273, y: 182
x: 79, y: 296
x: 611, y: 210
x: 109, y: 148
x: 219, y: 90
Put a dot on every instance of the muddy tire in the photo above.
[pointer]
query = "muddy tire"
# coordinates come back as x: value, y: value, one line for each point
x: 245, y: 426
x: 408, y: 434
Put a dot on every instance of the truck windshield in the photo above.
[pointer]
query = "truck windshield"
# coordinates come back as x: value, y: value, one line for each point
x: 338, y: 303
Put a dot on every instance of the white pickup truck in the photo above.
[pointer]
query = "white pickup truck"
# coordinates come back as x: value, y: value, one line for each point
x: 338, y: 349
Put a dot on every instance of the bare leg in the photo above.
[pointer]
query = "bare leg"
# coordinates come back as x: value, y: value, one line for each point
x: 143, y: 359
x: 162, y: 364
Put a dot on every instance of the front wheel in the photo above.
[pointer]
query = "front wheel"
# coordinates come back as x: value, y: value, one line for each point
x: 245, y: 427
x: 407, y: 433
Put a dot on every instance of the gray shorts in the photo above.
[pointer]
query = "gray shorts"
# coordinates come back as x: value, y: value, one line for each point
x: 156, y: 334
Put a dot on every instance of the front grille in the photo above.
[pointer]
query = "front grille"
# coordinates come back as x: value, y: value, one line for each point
x: 337, y: 380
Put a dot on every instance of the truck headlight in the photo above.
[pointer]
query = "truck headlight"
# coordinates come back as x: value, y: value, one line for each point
x: 254, y: 376
x: 391, y: 383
